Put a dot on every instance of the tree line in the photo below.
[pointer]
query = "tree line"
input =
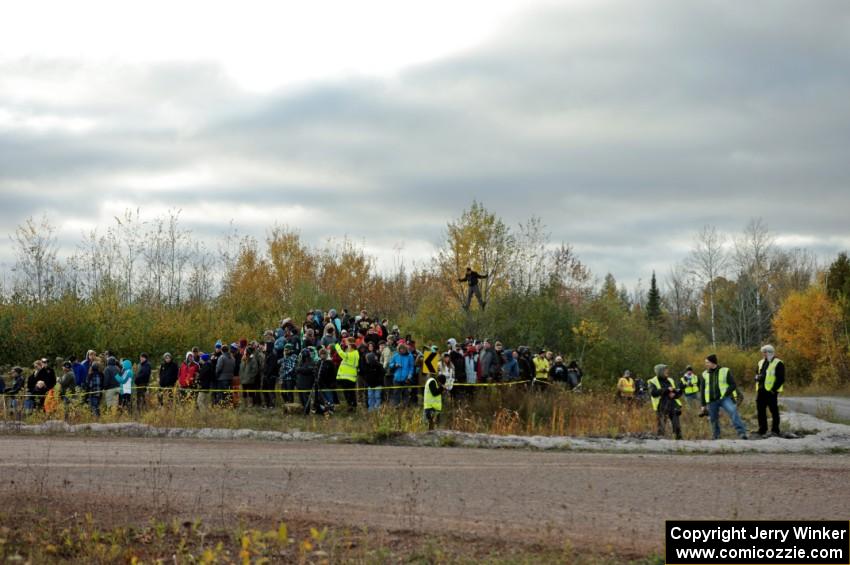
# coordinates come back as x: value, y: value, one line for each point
x: 153, y: 285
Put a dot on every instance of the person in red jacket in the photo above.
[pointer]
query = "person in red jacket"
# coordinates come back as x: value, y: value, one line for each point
x: 187, y: 375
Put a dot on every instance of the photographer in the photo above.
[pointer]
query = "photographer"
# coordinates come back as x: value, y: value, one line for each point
x: 666, y: 400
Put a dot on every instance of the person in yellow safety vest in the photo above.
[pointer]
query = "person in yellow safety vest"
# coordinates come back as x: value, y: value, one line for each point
x: 626, y: 387
x: 717, y: 390
x: 541, y: 368
x: 346, y: 375
x: 666, y: 400
x: 770, y: 379
x: 689, y: 383
x: 433, y: 402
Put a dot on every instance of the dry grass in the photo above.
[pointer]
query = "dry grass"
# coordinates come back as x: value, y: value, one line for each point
x: 50, y: 529
x: 500, y: 411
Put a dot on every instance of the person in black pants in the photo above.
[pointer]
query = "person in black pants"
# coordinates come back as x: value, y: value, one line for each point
x: 769, y: 380
x: 471, y: 278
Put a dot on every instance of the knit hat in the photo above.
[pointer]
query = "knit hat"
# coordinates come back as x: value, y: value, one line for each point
x: 234, y: 347
x: 452, y: 342
x: 218, y: 344
x: 712, y: 359
x: 205, y: 356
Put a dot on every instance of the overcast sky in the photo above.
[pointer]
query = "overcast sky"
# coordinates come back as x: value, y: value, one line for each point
x: 626, y: 125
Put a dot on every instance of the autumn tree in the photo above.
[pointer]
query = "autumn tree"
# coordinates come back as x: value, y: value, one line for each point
x: 477, y: 239
x: 295, y: 267
x: 809, y: 324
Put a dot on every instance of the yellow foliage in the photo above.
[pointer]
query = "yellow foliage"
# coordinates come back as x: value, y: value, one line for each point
x: 809, y: 324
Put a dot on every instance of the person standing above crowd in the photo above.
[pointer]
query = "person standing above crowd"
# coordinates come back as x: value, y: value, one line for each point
x: 471, y: 278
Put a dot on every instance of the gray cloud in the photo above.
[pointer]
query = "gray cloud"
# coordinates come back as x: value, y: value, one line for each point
x: 625, y: 126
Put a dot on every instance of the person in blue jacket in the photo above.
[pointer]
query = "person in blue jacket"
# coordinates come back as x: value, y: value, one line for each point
x: 401, y: 366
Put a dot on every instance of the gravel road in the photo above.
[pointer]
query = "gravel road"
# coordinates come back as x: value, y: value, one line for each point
x: 838, y: 406
x: 617, y: 501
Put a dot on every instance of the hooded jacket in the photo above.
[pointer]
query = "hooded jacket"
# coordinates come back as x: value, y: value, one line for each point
x: 125, y: 379
x: 402, y: 366
x: 187, y: 374
x: 111, y: 374
x: 250, y: 370
x: 224, y: 367
x: 168, y: 374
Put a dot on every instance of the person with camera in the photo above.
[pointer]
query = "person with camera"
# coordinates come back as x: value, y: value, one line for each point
x: 666, y: 400
x: 433, y: 396
x: 770, y: 379
x: 717, y: 390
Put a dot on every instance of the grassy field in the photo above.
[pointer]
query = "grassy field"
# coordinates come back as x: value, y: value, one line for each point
x: 500, y: 411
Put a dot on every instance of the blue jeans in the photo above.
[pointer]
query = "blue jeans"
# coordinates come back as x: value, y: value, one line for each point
x: 728, y: 406
x: 373, y: 398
